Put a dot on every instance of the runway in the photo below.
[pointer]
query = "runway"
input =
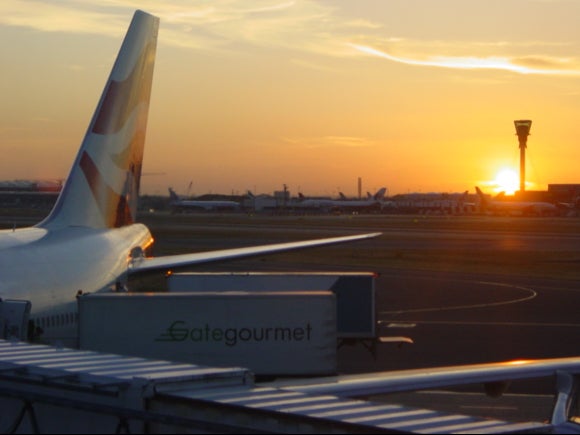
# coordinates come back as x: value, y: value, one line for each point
x: 469, y: 290
x: 472, y: 319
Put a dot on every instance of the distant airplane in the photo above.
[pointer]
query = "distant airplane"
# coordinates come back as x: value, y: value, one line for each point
x: 362, y: 204
x: 320, y: 204
x: 506, y: 207
x: 343, y: 204
x: 464, y: 201
x: 90, y: 241
x: 178, y: 204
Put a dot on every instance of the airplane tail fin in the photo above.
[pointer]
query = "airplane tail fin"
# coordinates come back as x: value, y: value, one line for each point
x: 172, y: 195
x: 482, y: 199
x: 380, y: 195
x: 342, y: 196
x: 102, y: 188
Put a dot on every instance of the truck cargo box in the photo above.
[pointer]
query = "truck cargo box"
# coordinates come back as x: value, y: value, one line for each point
x: 355, y: 292
x: 271, y: 333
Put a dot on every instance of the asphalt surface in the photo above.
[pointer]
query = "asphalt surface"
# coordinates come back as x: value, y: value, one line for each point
x: 466, y: 290
x: 472, y: 290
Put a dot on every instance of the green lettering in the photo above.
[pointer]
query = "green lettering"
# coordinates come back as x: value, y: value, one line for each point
x: 231, y: 337
x: 245, y: 334
x: 258, y: 334
x: 282, y: 334
x: 196, y: 334
x: 298, y: 334
x: 217, y: 334
x: 174, y: 333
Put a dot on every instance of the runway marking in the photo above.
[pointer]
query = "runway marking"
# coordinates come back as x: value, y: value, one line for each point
x: 456, y: 322
x: 400, y: 325
x: 532, y: 295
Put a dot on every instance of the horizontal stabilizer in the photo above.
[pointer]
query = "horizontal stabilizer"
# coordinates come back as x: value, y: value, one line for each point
x: 143, y: 264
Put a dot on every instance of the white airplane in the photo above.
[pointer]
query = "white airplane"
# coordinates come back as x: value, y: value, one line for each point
x: 528, y: 208
x: 342, y: 204
x: 90, y: 241
x: 324, y: 204
x: 359, y: 204
x: 179, y: 204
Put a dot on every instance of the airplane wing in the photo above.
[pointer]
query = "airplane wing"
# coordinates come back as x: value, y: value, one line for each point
x: 143, y: 264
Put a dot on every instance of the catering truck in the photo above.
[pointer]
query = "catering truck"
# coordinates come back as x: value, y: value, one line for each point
x: 274, y: 323
x: 355, y: 292
x: 356, y: 312
x: 270, y: 333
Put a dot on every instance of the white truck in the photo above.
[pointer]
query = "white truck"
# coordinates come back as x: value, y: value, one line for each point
x: 356, y: 311
x: 270, y: 333
x: 355, y: 292
x: 274, y: 323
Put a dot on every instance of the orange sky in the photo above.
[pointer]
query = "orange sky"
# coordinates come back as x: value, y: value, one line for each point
x: 413, y: 95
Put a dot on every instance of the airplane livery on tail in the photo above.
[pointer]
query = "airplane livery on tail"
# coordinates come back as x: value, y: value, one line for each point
x: 90, y: 241
x: 102, y: 188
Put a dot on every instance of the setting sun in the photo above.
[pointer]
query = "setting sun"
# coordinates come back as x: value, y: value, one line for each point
x: 507, y: 181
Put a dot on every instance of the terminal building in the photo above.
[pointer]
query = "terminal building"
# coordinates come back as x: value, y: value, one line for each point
x: 29, y: 194
x: 568, y: 193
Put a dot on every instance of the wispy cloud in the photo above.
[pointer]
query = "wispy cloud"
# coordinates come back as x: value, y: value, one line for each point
x: 65, y: 16
x: 522, y: 65
x: 305, y: 27
x: 332, y: 142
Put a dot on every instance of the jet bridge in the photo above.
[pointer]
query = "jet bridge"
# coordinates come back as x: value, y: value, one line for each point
x: 46, y: 389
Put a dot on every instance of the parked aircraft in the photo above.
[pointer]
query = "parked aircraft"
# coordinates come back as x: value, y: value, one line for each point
x: 373, y: 202
x: 370, y: 197
x: 343, y: 204
x: 90, y: 241
x: 320, y: 204
x: 506, y: 207
x: 178, y: 204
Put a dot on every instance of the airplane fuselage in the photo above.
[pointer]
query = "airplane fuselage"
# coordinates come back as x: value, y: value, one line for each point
x: 50, y: 267
x: 206, y: 205
x: 527, y: 208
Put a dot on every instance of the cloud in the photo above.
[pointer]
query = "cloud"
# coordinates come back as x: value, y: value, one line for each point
x: 522, y: 65
x: 303, y: 26
x: 306, y: 27
x: 332, y: 141
x: 61, y: 17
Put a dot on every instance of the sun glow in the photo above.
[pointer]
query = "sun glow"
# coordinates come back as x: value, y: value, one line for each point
x: 507, y: 181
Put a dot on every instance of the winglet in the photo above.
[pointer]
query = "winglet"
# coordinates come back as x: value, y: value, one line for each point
x: 102, y: 188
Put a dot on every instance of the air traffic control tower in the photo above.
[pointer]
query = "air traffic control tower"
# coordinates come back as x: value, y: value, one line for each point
x: 523, y: 131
